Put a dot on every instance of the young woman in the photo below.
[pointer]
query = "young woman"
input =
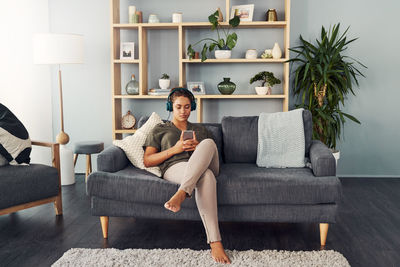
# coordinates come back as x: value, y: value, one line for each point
x: 192, y: 163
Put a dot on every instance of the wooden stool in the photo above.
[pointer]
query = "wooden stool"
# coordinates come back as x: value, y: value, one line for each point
x: 88, y: 148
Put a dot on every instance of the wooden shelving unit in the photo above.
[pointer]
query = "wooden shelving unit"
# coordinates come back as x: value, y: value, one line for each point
x: 142, y: 29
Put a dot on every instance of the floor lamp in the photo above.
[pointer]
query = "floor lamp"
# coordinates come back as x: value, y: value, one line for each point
x: 58, y: 49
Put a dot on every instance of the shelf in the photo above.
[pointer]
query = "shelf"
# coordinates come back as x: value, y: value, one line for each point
x: 236, y: 60
x: 124, y: 61
x: 258, y: 30
x: 125, y: 131
x: 233, y: 96
x: 170, y: 25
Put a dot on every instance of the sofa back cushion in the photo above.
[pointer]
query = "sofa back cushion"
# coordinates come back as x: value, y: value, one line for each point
x: 240, y: 137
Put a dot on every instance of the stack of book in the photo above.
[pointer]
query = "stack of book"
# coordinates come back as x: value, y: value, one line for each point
x: 156, y: 91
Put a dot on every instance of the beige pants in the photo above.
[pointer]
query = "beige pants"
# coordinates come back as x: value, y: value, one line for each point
x: 199, y: 173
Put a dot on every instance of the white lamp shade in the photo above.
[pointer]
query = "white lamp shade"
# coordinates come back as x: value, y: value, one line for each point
x: 50, y: 48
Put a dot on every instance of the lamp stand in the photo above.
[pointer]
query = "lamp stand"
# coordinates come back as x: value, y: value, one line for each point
x: 62, y: 138
x: 66, y: 155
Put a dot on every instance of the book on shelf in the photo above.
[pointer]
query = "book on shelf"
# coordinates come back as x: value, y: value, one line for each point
x: 157, y: 91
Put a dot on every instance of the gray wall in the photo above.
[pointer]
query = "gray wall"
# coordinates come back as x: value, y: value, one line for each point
x: 367, y: 149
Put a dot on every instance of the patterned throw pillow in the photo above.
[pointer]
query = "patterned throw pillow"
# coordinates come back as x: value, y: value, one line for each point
x: 15, y: 144
x: 133, y: 145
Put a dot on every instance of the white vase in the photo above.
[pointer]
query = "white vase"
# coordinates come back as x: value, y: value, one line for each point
x: 66, y: 166
x: 276, y: 51
x: 164, y: 83
x: 223, y: 54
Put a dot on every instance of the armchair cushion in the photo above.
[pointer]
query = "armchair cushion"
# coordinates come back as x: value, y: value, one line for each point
x: 22, y: 184
x: 15, y: 144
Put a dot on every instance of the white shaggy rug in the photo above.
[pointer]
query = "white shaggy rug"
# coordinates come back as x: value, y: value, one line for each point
x: 188, y: 257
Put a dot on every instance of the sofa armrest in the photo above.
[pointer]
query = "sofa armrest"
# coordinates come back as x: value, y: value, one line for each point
x: 112, y: 159
x: 322, y: 160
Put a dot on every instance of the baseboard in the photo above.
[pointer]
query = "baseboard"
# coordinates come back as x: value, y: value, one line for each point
x: 366, y: 176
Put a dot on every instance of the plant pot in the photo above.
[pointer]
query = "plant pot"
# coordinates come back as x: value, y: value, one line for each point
x: 263, y: 90
x: 164, y: 83
x: 223, y: 54
x: 226, y: 87
x: 336, y: 154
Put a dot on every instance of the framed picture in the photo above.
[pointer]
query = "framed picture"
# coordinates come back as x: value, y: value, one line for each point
x: 197, y: 88
x: 245, y: 12
x: 127, y: 50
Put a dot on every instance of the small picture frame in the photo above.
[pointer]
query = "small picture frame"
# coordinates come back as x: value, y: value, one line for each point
x: 197, y: 88
x: 245, y: 12
x: 127, y: 50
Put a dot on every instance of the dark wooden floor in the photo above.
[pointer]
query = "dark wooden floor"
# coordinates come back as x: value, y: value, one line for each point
x: 367, y: 232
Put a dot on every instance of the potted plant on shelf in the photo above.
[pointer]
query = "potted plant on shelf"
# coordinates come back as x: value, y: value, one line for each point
x: 164, y: 81
x: 323, y: 78
x: 225, y: 45
x: 266, y: 78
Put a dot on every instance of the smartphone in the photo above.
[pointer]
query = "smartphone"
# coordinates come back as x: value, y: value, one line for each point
x: 187, y: 134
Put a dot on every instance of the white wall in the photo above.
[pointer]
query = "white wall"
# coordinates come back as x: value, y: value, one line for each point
x: 86, y: 87
x: 25, y: 88
x: 368, y: 149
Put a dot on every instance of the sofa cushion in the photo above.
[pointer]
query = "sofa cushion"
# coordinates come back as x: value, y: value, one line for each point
x: 242, y: 184
x: 240, y: 137
x: 22, y: 184
x: 237, y: 184
x: 133, y: 185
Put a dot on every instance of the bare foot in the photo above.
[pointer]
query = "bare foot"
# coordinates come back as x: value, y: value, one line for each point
x: 218, y: 252
x: 174, y: 204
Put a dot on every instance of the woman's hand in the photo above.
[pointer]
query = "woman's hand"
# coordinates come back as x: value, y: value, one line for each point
x: 190, y: 144
x: 187, y: 145
x: 179, y: 146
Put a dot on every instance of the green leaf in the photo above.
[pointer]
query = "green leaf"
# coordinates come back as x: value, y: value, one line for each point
x: 204, y: 53
x: 213, y: 19
x: 231, y: 40
x: 235, y: 21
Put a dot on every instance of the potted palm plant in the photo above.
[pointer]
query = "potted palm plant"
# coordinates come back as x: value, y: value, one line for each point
x: 323, y: 77
x: 266, y: 78
x: 225, y: 45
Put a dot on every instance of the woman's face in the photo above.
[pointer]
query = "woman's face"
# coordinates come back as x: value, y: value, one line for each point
x: 181, y: 108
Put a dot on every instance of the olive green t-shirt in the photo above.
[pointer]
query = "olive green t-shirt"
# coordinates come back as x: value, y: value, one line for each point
x: 165, y: 135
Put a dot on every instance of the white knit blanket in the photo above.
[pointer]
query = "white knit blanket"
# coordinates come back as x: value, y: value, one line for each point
x: 281, y: 142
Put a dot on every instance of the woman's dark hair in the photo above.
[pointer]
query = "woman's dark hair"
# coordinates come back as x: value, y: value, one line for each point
x: 181, y: 92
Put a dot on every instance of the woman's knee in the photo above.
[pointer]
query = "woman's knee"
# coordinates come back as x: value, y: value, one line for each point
x: 208, y: 177
x: 208, y: 142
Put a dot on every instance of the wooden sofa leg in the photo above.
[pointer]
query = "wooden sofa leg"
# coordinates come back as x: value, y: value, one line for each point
x: 323, y: 231
x: 58, y: 205
x: 104, y: 225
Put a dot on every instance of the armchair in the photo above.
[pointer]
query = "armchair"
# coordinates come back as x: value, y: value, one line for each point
x: 23, y: 187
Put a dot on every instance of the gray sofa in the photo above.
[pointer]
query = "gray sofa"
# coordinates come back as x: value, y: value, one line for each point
x: 245, y: 191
